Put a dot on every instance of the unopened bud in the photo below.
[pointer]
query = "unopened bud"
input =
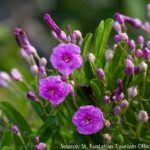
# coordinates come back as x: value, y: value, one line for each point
x: 109, y: 55
x: 40, y: 146
x: 117, y: 26
x: 34, y: 69
x: 106, y: 123
x: 106, y: 99
x: 15, y: 129
x: 4, y: 79
x: 43, y: 61
x: 16, y: 75
x: 139, y: 53
x: 100, y: 73
x: 31, y: 95
x: 143, y: 116
x: 78, y: 34
x: 131, y: 44
x: 124, y: 104
x: 132, y: 92
x: 90, y: 57
x: 117, y: 110
x: 143, y: 66
x: 107, y: 138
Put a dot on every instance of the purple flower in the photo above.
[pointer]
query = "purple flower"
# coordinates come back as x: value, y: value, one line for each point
x: 40, y: 146
x: 4, y: 79
x: 54, y: 89
x: 100, y: 73
x: 88, y: 119
x: 131, y: 44
x: 66, y: 58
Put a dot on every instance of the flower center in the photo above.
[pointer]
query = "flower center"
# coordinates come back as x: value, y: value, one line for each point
x: 52, y: 91
x: 88, y: 120
x: 66, y: 58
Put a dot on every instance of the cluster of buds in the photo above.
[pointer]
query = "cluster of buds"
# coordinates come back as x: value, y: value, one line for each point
x: 60, y: 35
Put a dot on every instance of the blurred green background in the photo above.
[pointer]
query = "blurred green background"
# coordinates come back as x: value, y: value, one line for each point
x: 28, y: 14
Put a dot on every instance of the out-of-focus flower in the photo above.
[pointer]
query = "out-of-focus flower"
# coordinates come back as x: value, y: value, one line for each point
x: 140, y: 40
x: 40, y: 146
x: 15, y: 129
x: 107, y: 138
x: 66, y: 58
x: 146, y: 53
x: 129, y: 67
x: 23, y: 41
x: 54, y: 89
x: 139, y: 53
x: 31, y: 95
x: 132, y: 92
x: 88, y: 120
x: 4, y: 79
x: 16, y: 75
x: 143, y: 116
x: 100, y: 73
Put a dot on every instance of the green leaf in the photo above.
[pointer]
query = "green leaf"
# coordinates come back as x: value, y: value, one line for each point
x: 6, y: 148
x: 47, y: 124
x: 14, y: 116
x: 86, y: 44
x: 105, y: 36
x: 88, y: 70
x: 98, y: 37
x: 6, y: 139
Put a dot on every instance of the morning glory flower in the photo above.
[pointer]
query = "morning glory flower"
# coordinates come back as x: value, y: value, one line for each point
x: 66, y: 58
x: 88, y: 119
x: 54, y: 89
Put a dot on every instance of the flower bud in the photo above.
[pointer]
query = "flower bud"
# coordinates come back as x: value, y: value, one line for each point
x: 34, y: 69
x: 15, y: 129
x: 117, y: 110
x: 109, y: 55
x: 117, y: 38
x: 143, y: 66
x: 117, y: 26
x: 106, y: 99
x: 131, y: 44
x: 146, y: 53
x: 42, y: 72
x: 148, y: 7
x: 120, y: 96
x: 78, y: 34
x: 100, y: 73
x: 40, y: 146
x: 124, y: 104
x: 139, y: 53
x: 4, y: 79
x: 132, y: 92
x: 72, y: 83
x: 91, y: 57
x: 106, y: 123
x: 143, y: 116
x: 43, y: 62
x: 140, y: 40
x: 16, y: 75
x: 107, y: 138
x: 119, y: 18
x: 123, y: 37
x: 129, y: 64
x: 31, y: 95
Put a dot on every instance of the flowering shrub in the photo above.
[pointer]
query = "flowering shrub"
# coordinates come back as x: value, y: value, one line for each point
x: 94, y: 95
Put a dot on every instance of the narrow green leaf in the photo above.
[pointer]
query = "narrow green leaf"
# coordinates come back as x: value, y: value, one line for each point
x: 14, y: 116
x: 6, y: 148
x: 86, y: 44
x: 6, y: 139
x: 49, y: 122
x: 88, y: 70
x: 105, y: 36
x: 98, y: 37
